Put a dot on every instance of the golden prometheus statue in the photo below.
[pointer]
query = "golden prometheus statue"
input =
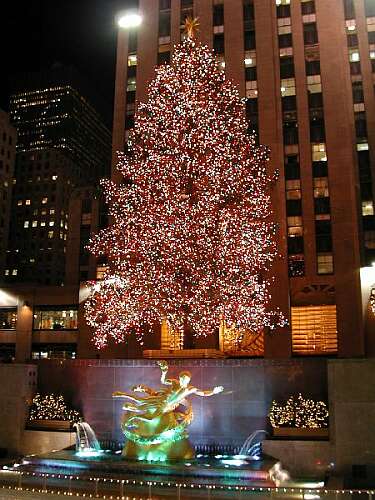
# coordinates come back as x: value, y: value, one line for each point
x: 155, y: 423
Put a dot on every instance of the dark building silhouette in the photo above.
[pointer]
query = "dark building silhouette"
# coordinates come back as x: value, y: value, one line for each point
x: 62, y: 144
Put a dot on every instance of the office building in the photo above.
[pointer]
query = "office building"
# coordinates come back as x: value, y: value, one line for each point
x: 8, y: 139
x: 63, y: 144
x: 306, y: 68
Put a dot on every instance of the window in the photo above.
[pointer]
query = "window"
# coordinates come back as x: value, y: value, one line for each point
x: 349, y: 9
x: 367, y: 208
x: 163, y: 58
x: 293, y: 207
x: 296, y: 266
x: 357, y: 88
x: 26, y: 224
x: 321, y: 189
x: 310, y: 34
x: 352, y: 40
x: 101, y: 271
x: 370, y: 240
x: 44, y: 201
x: 164, y: 24
x: 249, y: 40
x: 8, y: 318
x: 317, y: 130
x: 312, y: 68
x: 283, y: 10
x: 286, y: 67
x: 218, y: 15
x: 325, y: 263
x: 293, y: 189
x: 55, y: 318
x: 369, y: 8
x: 290, y: 131
x: 250, y: 73
x: 295, y: 244
x: 308, y: 7
x: 314, y: 329
x: 285, y: 40
x: 218, y: 43
x: 292, y: 168
x: 319, y: 152
x: 28, y: 202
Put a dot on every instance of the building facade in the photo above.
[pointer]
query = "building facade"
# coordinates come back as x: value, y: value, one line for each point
x: 63, y: 144
x: 306, y: 69
x: 8, y: 139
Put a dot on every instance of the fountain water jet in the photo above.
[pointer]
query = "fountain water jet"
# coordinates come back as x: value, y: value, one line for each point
x: 87, y: 444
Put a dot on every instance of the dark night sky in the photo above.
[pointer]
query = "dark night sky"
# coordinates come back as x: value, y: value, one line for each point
x: 36, y: 33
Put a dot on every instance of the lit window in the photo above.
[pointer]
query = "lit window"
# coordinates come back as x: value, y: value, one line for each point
x: 101, y: 271
x: 363, y: 146
x: 132, y: 85
x: 44, y: 201
x: 14, y: 272
x: 26, y: 224
x: 8, y: 316
x: 367, y: 208
x: 51, y: 223
x: 282, y: 2
x: 6, y: 272
x: 55, y: 319
x: 50, y: 234
x: 43, y: 223
x: 52, y: 211
x: 372, y: 54
x: 325, y: 263
x: 314, y: 329
x: 288, y: 87
x: 321, y: 189
x: 132, y: 59
x: 54, y: 177
x: 295, y: 231
x: 293, y: 189
x: 354, y: 55
x: 28, y: 202
x: 314, y: 84
x: 294, y: 221
x: 319, y: 152
x: 19, y: 202
x: 35, y: 223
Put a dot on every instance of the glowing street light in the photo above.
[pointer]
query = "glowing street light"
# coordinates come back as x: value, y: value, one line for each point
x: 129, y: 20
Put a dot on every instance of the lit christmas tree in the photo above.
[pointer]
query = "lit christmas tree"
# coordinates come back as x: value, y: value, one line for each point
x: 192, y: 236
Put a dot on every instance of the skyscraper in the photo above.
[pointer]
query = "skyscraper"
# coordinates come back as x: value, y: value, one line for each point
x: 306, y: 70
x: 8, y: 139
x: 62, y: 143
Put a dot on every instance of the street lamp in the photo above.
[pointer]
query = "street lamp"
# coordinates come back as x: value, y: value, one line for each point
x: 129, y: 20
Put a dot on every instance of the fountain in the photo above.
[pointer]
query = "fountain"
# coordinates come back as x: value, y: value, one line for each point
x: 87, y: 444
x: 157, y: 445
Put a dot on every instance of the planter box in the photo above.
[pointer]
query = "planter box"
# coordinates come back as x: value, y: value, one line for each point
x: 49, y: 425
x: 301, y: 433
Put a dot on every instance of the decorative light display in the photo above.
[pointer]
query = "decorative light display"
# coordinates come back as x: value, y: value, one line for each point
x: 299, y: 412
x: 52, y: 407
x: 192, y: 238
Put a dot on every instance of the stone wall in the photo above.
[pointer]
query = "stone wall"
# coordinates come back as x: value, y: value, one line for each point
x: 17, y: 387
x: 352, y: 408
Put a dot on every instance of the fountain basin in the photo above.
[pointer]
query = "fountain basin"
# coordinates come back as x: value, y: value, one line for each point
x: 223, y: 469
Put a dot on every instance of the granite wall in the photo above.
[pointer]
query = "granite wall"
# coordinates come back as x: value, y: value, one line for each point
x: 227, y: 418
